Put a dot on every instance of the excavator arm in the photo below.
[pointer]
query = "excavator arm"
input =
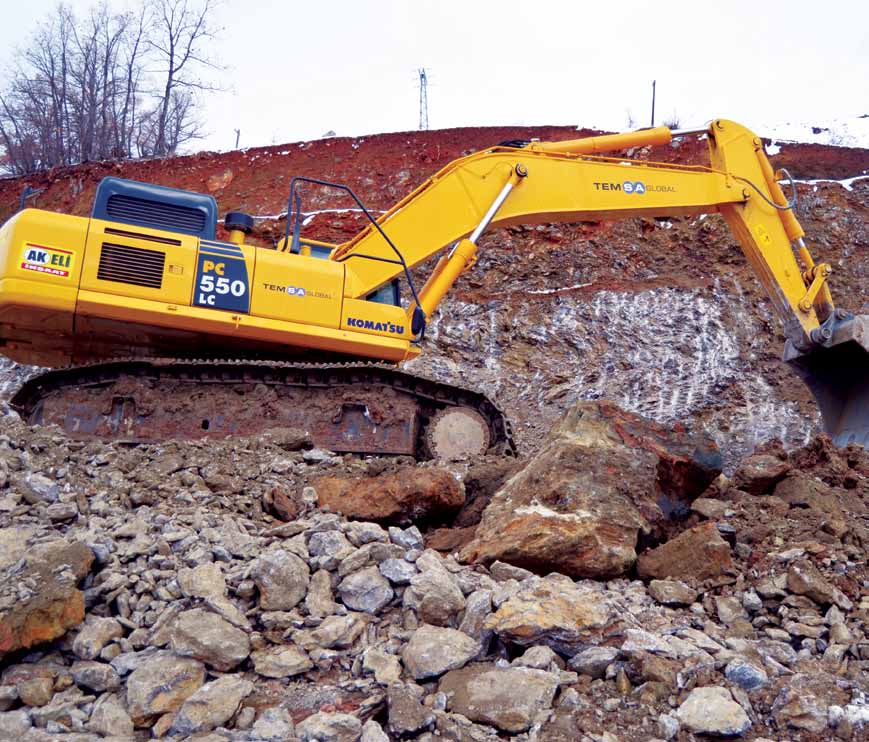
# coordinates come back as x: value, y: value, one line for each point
x: 562, y: 181
x: 540, y: 182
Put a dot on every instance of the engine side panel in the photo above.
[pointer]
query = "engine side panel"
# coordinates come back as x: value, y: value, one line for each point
x: 41, y: 260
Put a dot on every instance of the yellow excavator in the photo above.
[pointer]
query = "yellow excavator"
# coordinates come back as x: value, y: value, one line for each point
x: 174, y: 333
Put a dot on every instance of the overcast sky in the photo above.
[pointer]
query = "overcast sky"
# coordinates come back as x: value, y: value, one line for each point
x: 295, y: 70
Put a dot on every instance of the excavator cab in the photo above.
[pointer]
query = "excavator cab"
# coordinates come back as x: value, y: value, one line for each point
x: 837, y: 372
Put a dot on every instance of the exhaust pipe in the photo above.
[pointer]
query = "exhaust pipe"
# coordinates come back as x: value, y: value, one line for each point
x: 837, y: 372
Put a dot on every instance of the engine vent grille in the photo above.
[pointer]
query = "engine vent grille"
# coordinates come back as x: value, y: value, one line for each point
x: 155, y: 214
x: 134, y: 265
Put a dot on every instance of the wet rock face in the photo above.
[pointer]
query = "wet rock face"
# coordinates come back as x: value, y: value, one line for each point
x: 601, y: 477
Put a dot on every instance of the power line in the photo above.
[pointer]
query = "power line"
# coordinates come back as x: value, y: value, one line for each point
x: 423, y: 99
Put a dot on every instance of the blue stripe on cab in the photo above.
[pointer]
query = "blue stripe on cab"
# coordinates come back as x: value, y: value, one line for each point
x: 228, y: 247
x: 220, y: 256
x: 218, y: 251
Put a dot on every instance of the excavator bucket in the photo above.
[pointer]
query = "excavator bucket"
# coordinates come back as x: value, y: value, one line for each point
x: 838, y: 375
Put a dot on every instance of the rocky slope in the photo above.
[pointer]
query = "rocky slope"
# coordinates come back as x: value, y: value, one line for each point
x: 256, y: 589
x: 662, y: 316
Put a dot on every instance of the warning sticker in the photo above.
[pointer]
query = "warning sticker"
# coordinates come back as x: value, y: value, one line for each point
x: 50, y: 260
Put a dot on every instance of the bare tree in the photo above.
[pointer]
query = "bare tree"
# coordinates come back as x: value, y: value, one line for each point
x: 133, y: 51
x: 183, y: 31
x: 35, y: 122
x: 82, y: 90
x: 96, y: 80
x: 674, y: 121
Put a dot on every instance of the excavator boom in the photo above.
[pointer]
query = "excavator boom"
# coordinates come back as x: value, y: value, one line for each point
x: 145, y: 276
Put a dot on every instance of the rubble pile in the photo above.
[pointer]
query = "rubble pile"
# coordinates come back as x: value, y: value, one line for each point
x: 258, y: 589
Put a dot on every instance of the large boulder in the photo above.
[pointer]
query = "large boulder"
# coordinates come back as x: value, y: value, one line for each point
x: 406, y: 495
x: 282, y: 579
x: 555, y: 612
x: 435, y: 596
x: 601, y: 477
x: 804, y: 579
x: 712, y: 710
x: 94, y: 634
x: 39, y: 598
x: 696, y: 554
x: 205, y: 636
x: 433, y: 650
x: 508, y: 698
x: 161, y: 685
x: 211, y: 706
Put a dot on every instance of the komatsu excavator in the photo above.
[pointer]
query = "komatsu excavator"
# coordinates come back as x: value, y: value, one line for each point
x: 185, y: 335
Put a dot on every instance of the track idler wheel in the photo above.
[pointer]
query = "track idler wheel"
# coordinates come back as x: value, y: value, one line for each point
x: 457, y: 434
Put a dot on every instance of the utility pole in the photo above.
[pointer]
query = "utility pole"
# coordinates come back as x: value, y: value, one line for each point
x: 423, y: 100
x: 237, y: 136
x: 653, y: 103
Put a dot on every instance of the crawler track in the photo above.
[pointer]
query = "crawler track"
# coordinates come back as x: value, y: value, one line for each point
x: 360, y: 408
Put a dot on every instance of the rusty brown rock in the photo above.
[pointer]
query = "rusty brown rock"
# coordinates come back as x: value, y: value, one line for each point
x: 802, y: 490
x: 601, y: 477
x: 698, y: 553
x: 54, y: 605
x: 404, y: 496
x: 449, y: 539
x: 282, y: 504
x: 758, y: 474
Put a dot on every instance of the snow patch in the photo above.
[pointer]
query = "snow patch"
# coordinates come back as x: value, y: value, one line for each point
x: 311, y: 214
x: 840, y: 132
x: 846, y: 183
x: 540, y: 292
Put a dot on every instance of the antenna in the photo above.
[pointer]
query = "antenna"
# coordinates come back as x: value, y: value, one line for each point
x: 423, y: 100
